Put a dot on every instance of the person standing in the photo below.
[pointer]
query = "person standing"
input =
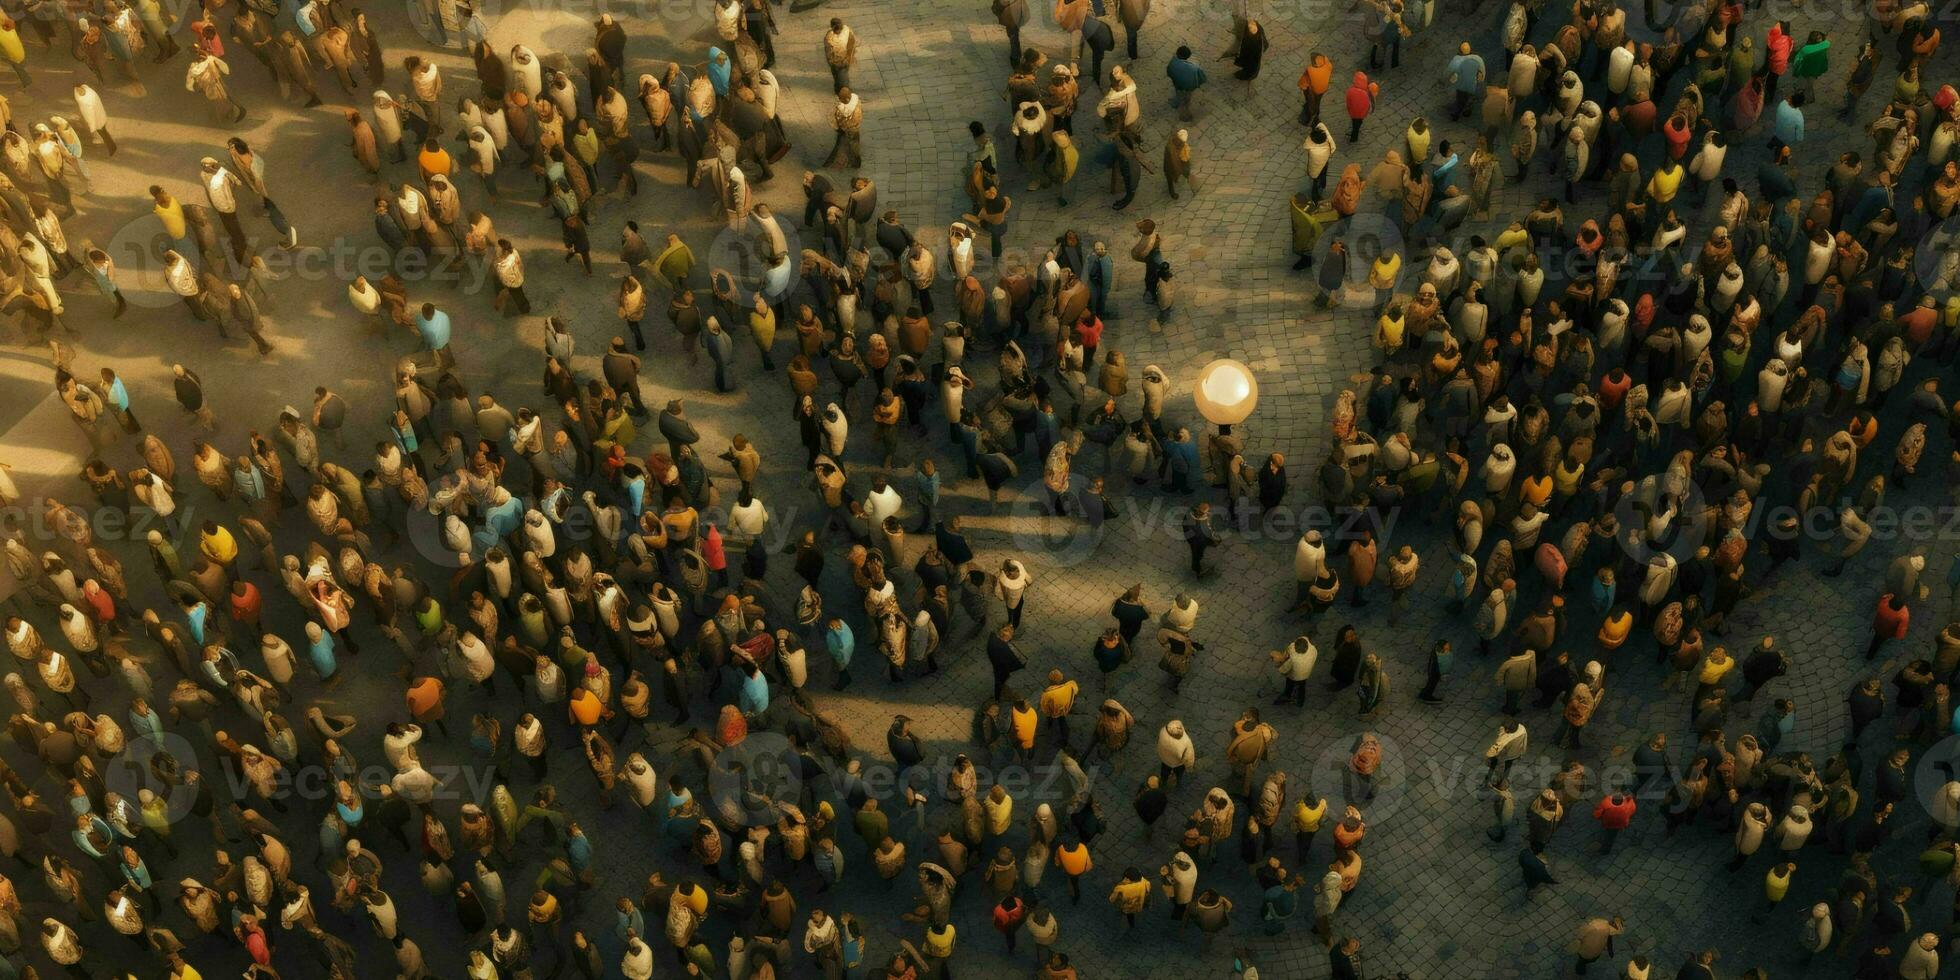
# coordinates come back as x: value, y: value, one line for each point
x: 206, y: 76
x: 94, y: 118
x: 840, y: 49
x: 1615, y: 814
x: 1595, y: 941
x: 1199, y: 536
x: 221, y: 189
x: 1012, y: 16
x: 1177, y: 161
x: 1467, y: 78
x: 1361, y: 95
x: 846, y: 117
x: 510, y: 277
x: 1186, y: 79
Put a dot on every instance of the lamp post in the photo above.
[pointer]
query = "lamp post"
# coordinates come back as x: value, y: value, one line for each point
x: 1226, y: 393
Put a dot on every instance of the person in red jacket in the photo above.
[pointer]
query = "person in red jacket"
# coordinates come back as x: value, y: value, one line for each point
x: 1614, y: 813
x: 1088, y: 333
x: 1776, y: 58
x: 1008, y: 916
x: 1889, y: 622
x: 245, y: 603
x: 1361, y: 95
x: 101, y: 607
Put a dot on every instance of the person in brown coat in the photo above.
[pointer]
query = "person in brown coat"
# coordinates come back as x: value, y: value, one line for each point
x: 363, y: 145
x: 1177, y: 161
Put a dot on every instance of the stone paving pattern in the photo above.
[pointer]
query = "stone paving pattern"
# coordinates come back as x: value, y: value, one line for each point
x: 1436, y: 901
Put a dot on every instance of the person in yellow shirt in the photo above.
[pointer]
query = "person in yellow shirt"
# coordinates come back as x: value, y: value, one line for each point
x: 1130, y: 895
x: 1665, y: 183
x: 1382, y: 276
x: 938, y: 944
x: 171, y: 214
x: 1023, y: 718
x: 12, y: 50
x: 1776, y: 883
x: 1391, y: 331
x: 1714, y: 668
x: 217, y: 544
x: 1306, y: 825
x: 999, y: 808
x: 1057, y: 700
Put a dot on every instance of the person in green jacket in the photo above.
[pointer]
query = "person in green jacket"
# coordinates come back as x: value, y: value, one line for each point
x: 673, y: 264
x: 1810, y: 62
x: 1306, y: 230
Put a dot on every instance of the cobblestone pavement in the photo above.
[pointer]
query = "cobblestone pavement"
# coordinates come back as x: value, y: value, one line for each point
x: 1436, y: 901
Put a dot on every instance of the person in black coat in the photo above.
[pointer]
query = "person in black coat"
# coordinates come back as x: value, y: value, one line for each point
x: 952, y: 543
x: 1150, y: 803
x: 1866, y: 703
x: 1272, y: 482
x: 1344, y: 960
x: 1764, y: 664
x: 905, y: 747
x: 1347, y: 659
x: 1005, y: 657
x: 1536, y: 871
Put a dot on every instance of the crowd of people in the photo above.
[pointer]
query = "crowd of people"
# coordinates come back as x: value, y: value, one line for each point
x: 1621, y: 424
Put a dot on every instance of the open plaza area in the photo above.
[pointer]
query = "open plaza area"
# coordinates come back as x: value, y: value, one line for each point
x: 1087, y: 489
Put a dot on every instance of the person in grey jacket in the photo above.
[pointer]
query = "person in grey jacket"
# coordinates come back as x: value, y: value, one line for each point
x: 1013, y: 15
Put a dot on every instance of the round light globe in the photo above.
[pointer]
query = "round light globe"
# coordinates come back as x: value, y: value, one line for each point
x: 1226, y: 392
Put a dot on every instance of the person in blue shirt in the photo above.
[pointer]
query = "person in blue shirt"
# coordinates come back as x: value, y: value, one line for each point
x: 1442, y: 169
x: 629, y: 918
x: 319, y: 649
x: 433, y: 325
x: 404, y: 433
x: 1467, y: 72
x: 754, y: 696
x: 144, y: 721
x: 117, y: 398
x: 1604, y: 591
x: 1181, y: 459
x: 505, y: 515
x: 719, y: 70
x: 196, y: 615
x: 925, y: 484
x: 578, y: 850
x: 841, y: 644
x: 1788, y: 128
x: 1186, y: 78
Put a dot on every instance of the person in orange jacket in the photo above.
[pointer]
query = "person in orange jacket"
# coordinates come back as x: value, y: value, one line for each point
x: 1314, y: 80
